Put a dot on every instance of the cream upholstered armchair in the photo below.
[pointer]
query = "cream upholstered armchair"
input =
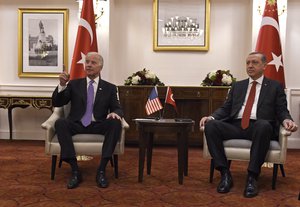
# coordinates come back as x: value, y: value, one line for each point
x: 239, y: 149
x: 85, y: 144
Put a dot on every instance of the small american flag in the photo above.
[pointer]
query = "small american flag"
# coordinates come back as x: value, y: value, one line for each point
x: 153, y: 103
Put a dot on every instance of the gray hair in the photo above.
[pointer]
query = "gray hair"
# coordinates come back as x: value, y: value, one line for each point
x: 263, y: 56
x: 98, y: 56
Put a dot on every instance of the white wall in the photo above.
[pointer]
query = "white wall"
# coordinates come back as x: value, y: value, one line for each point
x: 230, y: 42
x: 126, y: 43
x: 26, y: 122
x: 291, y: 61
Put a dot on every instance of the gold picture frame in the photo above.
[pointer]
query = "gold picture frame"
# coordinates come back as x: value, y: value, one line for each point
x: 43, y: 42
x: 181, y: 25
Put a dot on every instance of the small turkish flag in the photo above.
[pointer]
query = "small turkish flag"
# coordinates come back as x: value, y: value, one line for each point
x: 170, y: 99
x: 268, y: 42
x: 86, y: 40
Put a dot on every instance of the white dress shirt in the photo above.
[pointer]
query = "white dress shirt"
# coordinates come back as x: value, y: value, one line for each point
x: 254, y: 107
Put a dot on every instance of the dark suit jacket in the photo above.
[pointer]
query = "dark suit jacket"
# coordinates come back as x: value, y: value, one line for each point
x: 271, y: 106
x: 106, y: 99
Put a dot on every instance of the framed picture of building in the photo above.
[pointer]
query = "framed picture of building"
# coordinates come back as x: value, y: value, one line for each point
x: 43, y: 44
x: 181, y: 25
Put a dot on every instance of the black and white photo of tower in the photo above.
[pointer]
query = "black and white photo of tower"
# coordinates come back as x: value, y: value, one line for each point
x: 42, y: 45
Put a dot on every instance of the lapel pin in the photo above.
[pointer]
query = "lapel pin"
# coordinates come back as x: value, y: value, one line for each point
x: 100, y: 89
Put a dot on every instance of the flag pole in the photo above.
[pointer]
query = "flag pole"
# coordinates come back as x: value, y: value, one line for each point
x: 165, y: 102
x: 160, y: 116
x: 159, y: 112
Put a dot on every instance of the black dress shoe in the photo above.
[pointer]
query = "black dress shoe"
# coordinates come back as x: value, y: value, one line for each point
x: 101, y: 179
x: 74, y: 180
x: 251, y: 189
x: 226, y: 183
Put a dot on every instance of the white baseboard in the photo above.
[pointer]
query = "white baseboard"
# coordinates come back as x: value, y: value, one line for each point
x: 293, y: 143
x: 24, y: 135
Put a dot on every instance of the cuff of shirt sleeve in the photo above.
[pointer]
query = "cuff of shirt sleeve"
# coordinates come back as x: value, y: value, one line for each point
x: 211, y: 117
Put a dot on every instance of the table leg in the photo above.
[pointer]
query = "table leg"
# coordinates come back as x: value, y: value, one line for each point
x: 142, y: 146
x: 182, y: 148
x: 10, y: 122
x: 10, y: 117
x: 180, y: 153
x: 186, y: 154
x: 149, y: 152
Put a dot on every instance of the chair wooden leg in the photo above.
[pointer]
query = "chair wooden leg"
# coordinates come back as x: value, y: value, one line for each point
x: 60, y: 163
x: 116, y: 166
x: 211, y: 172
x: 53, y: 166
x: 282, y: 170
x: 275, y: 170
x: 229, y: 163
x: 111, y: 160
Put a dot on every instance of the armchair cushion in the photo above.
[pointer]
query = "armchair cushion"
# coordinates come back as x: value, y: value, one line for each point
x: 242, y: 143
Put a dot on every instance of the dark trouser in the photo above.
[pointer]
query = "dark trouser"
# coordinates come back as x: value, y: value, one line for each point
x: 259, y: 132
x: 65, y: 129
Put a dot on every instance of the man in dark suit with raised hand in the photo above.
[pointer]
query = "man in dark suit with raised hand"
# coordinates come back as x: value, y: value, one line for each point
x: 253, y: 110
x: 95, y: 109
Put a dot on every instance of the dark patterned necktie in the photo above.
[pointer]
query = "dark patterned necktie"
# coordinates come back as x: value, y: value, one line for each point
x: 87, y: 117
x: 248, y: 107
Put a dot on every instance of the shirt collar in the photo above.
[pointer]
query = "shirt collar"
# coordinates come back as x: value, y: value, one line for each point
x: 96, y: 80
x: 259, y: 80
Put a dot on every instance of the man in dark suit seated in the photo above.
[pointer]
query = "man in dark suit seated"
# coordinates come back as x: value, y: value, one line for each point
x: 95, y: 109
x: 252, y: 111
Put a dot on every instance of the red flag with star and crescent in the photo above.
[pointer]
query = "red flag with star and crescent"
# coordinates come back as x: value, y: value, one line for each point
x: 86, y: 40
x: 268, y: 42
x: 170, y: 98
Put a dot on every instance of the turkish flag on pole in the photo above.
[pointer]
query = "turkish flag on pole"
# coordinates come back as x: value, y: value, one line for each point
x: 268, y: 42
x: 170, y: 99
x: 86, y: 40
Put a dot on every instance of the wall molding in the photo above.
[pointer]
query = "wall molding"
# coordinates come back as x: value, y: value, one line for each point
x: 26, y: 89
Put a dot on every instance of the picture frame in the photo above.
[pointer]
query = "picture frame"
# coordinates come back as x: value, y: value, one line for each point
x: 181, y: 25
x: 43, y: 42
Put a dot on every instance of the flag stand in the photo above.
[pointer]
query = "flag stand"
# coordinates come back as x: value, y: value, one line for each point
x: 160, y: 115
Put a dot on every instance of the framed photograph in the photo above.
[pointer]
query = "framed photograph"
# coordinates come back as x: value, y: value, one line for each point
x: 181, y: 25
x: 43, y: 43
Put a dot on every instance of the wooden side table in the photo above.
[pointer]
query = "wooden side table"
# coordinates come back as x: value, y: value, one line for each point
x: 10, y: 102
x: 147, y: 128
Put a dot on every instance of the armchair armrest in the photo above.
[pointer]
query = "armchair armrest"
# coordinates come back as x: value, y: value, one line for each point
x: 283, y: 136
x: 48, y: 125
x: 282, y: 139
x: 201, y: 129
x: 125, y: 125
x: 57, y: 113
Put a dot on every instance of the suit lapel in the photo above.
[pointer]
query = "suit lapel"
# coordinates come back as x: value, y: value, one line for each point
x: 263, y: 91
x: 243, y: 90
x: 83, y: 90
x: 99, y: 91
x: 238, y: 95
